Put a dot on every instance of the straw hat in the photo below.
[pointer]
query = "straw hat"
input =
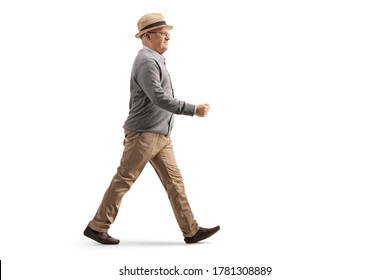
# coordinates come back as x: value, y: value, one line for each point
x: 149, y: 22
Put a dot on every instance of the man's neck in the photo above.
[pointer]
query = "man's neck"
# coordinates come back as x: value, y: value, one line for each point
x: 160, y: 56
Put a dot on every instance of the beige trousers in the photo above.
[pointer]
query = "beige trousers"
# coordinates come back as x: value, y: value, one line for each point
x: 141, y: 148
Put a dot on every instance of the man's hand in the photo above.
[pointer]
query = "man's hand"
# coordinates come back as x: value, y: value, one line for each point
x: 202, y: 110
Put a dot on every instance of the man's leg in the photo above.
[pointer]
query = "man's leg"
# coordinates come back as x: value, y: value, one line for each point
x: 165, y: 165
x: 139, y: 148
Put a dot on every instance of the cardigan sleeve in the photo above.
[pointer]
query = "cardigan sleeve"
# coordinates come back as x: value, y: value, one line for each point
x: 157, y: 87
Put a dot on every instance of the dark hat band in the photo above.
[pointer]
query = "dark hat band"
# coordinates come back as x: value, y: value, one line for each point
x: 154, y: 25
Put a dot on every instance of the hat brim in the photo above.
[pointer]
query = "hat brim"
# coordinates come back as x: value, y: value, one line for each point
x: 139, y: 34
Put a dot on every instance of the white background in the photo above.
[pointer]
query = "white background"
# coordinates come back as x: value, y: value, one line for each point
x: 292, y: 160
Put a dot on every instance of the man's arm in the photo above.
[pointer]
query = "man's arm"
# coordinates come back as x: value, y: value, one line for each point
x: 148, y: 78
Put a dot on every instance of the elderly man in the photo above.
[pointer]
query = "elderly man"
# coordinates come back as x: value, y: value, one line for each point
x: 147, y: 136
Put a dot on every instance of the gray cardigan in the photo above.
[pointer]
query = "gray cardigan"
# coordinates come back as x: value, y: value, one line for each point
x: 152, y: 102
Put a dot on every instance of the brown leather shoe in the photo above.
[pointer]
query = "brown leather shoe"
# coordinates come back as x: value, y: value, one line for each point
x: 101, y: 237
x: 201, y: 234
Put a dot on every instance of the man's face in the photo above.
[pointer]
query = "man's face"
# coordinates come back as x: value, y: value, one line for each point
x: 159, y: 39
